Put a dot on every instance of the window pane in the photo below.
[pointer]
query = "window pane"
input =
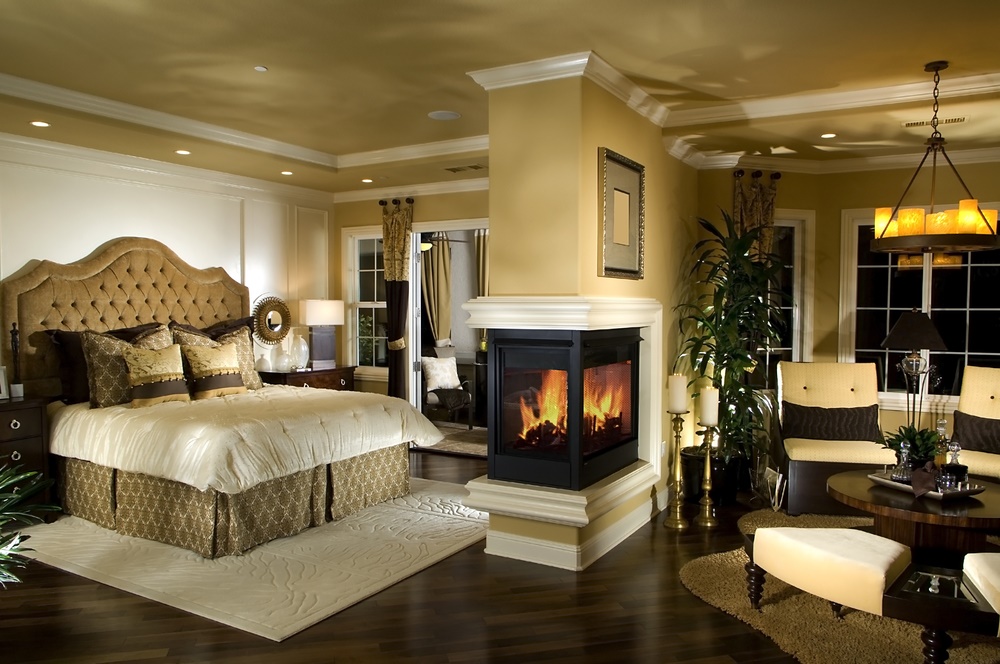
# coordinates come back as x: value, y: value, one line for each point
x: 366, y: 347
x: 949, y: 286
x: 871, y: 327
x: 366, y: 254
x: 945, y: 374
x: 984, y: 330
x: 366, y: 287
x: 873, y: 287
x: 865, y: 255
x: 984, y: 288
x: 951, y: 325
x: 906, y: 288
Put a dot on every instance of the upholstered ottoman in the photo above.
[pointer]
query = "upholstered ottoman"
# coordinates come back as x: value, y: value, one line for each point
x: 982, y: 570
x: 847, y: 567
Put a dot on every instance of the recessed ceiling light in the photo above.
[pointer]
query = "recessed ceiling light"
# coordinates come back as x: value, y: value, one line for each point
x: 444, y: 115
x: 828, y: 135
x: 260, y: 68
x: 183, y: 152
x: 367, y: 180
x: 286, y: 173
x: 40, y: 123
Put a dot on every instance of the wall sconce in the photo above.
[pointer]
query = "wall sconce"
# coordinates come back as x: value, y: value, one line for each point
x: 321, y: 316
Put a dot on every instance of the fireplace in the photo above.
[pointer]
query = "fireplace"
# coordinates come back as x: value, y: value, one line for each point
x: 563, y: 405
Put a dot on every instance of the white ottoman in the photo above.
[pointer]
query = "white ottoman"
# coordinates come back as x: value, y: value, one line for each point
x: 983, y: 571
x: 845, y: 566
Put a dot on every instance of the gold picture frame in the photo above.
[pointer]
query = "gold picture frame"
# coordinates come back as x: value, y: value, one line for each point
x: 623, y: 190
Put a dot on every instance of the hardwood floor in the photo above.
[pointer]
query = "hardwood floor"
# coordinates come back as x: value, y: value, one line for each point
x: 628, y: 607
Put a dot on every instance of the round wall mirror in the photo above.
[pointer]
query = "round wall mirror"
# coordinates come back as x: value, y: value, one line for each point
x: 271, y: 320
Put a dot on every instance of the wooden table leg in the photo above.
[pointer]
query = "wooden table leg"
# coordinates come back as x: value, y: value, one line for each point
x: 936, y: 644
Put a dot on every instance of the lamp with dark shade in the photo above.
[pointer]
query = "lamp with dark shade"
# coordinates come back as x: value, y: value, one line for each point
x: 321, y: 316
x: 913, y: 332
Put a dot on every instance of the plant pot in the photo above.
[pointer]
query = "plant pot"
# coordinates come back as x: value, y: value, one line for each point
x: 725, y: 477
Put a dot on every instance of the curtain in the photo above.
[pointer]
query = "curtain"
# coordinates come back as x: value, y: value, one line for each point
x: 753, y: 207
x: 397, y: 224
x: 435, y: 268
x: 483, y: 272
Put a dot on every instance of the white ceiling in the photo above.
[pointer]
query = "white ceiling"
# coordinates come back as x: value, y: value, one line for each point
x: 350, y: 82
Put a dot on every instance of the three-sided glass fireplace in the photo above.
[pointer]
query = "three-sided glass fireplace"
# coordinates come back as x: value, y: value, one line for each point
x: 563, y: 405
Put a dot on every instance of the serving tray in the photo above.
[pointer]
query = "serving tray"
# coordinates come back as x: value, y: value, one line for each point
x: 883, y: 479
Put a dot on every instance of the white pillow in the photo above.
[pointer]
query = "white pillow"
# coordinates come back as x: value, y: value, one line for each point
x: 440, y: 373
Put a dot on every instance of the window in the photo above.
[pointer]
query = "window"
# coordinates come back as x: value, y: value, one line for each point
x: 961, y: 297
x: 371, y: 321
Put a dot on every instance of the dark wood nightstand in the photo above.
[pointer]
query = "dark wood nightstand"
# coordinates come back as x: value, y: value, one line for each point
x: 341, y: 378
x: 24, y: 437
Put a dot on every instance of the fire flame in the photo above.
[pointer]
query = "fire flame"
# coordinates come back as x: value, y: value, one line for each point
x: 552, y: 398
x: 602, y: 400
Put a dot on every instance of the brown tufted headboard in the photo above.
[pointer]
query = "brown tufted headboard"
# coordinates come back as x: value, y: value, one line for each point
x: 126, y: 282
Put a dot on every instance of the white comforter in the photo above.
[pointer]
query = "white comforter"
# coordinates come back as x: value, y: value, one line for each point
x: 235, y: 442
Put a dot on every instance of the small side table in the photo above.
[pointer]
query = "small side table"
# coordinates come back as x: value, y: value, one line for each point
x: 340, y: 378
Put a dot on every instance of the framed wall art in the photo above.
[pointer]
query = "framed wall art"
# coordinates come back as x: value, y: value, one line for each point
x: 623, y: 187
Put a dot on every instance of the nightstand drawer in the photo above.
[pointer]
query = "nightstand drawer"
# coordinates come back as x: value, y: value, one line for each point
x: 28, y: 453
x: 17, y: 423
x: 326, y: 380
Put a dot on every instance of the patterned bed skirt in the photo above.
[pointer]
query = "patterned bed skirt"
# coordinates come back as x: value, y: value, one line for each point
x: 215, y: 524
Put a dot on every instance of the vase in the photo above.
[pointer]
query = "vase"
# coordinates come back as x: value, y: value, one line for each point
x: 280, y: 360
x: 300, y: 352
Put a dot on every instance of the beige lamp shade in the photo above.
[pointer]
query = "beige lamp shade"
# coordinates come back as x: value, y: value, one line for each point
x: 321, y: 312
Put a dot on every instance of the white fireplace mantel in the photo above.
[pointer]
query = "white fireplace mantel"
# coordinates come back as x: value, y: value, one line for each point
x: 564, y: 506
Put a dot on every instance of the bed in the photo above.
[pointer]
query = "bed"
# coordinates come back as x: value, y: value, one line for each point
x: 242, y: 465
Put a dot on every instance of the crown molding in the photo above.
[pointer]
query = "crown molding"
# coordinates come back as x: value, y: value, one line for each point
x: 586, y: 64
x: 751, y: 109
x: 427, y: 189
x: 439, y: 149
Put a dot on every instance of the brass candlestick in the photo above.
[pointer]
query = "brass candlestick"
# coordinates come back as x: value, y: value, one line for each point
x: 707, y: 517
x: 675, y: 520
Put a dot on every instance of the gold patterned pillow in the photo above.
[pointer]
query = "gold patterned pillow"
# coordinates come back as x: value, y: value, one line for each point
x: 107, y: 372
x: 215, y: 371
x: 244, y: 350
x: 156, y: 375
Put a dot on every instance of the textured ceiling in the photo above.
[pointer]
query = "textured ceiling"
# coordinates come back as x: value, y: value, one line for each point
x: 350, y: 82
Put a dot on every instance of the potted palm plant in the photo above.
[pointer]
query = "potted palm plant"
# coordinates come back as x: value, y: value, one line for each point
x: 731, y: 319
x: 18, y: 490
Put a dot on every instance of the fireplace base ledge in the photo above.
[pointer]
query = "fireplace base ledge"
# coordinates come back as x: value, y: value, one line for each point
x: 562, y: 507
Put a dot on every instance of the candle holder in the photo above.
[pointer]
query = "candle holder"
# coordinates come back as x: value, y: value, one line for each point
x: 675, y: 520
x: 707, y: 518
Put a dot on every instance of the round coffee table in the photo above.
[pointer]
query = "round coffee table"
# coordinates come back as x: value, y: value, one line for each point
x: 952, y: 526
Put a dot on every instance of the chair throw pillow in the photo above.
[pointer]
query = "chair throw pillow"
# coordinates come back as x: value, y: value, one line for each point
x: 815, y: 423
x: 440, y: 373
x: 156, y: 376
x: 215, y: 371
x: 981, y: 434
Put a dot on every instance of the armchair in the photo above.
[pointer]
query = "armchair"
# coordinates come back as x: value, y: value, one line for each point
x: 443, y: 389
x: 828, y: 415
x: 977, y: 421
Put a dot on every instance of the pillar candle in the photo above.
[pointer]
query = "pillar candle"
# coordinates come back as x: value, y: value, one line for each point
x: 708, y: 413
x: 677, y: 393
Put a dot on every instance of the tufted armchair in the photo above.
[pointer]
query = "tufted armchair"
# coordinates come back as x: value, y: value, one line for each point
x: 828, y: 413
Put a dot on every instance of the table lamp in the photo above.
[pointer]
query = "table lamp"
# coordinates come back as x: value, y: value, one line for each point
x: 321, y: 316
x: 914, y: 332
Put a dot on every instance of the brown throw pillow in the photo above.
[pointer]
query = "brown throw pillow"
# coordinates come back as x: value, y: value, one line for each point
x: 240, y: 337
x: 981, y: 434
x: 215, y: 371
x: 107, y: 371
x: 156, y: 376
x: 829, y: 423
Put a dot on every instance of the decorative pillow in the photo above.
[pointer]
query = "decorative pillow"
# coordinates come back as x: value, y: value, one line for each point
x: 240, y: 337
x: 440, y: 373
x: 829, y: 423
x: 216, y: 330
x: 107, y: 372
x: 215, y: 370
x: 73, y: 364
x: 981, y: 434
x: 156, y: 375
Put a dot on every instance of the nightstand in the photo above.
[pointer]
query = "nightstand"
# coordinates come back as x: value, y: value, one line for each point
x: 24, y: 437
x: 341, y: 378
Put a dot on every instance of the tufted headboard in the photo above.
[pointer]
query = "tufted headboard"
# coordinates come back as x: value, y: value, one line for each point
x: 126, y: 282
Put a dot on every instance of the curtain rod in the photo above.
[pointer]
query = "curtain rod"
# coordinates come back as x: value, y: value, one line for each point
x: 395, y: 201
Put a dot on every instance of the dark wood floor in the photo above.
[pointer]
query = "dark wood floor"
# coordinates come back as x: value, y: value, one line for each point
x: 627, y: 607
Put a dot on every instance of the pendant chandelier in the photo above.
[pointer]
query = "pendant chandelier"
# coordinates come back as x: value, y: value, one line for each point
x: 912, y: 231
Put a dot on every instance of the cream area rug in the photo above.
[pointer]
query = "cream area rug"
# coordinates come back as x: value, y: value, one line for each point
x: 804, y: 625
x: 460, y: 440
x: 284, y: 586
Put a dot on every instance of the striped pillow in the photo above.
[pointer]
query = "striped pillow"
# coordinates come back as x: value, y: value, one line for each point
x: 156, y: 376
x: 215, y: 371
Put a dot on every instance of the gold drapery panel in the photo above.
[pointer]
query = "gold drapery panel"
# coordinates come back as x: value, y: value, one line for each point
x: 435, y: 285
x: 753, y: 206
x: 483, y: 271
x: 397, y: 226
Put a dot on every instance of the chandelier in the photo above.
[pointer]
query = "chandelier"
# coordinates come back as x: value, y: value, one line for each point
x: 912, y: 231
